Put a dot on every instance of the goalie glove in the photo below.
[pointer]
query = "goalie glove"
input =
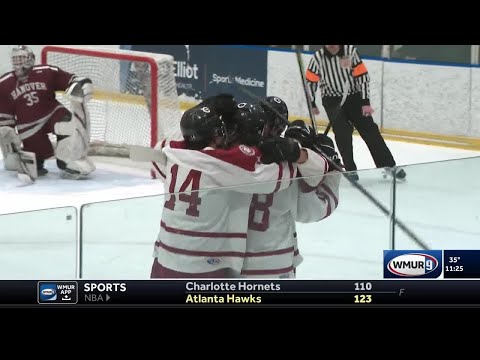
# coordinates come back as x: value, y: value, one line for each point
x: 80, y: 90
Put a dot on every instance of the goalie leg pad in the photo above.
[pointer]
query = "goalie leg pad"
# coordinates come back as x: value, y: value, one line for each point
x: 73, y: 137
x: 28, y: 164
x: 65, y: 127
x: 9, y: 141
x: 24, y: 162
x: 11, y: 162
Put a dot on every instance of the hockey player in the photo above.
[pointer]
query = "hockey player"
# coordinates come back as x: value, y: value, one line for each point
x: 223, y: 105
x: 203, y: 233
x: 272, y: 249
x: 29, y: 112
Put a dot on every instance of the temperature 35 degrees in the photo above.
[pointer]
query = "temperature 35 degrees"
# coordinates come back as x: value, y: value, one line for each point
x: 453, y: 259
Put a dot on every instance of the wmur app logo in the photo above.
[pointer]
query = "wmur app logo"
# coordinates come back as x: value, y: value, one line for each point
x: 48, y: 292
x: 58, y: 292
x: 409, y: 264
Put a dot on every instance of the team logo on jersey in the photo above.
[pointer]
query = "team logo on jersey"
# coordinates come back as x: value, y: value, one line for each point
x: 247, y: 150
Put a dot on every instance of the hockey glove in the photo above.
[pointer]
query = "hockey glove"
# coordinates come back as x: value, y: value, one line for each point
x: 324, y: 145
x: 319, y: 143
x: 277, y: 149
x: 304, y: 134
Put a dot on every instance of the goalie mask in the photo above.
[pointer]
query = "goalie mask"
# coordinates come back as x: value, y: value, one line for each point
x: 23, y: 60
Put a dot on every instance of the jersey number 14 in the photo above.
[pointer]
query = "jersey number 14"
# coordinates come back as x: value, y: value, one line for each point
x: 257, y: 206
x: 193, y: 180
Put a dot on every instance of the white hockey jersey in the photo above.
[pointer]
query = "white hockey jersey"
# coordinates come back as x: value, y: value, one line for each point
x: 272, y: 249
x: 206, y: 230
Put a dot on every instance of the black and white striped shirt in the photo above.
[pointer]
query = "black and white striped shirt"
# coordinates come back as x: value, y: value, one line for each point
x: 325, y: 69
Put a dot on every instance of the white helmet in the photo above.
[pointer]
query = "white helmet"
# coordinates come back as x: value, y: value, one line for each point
x: 23, y: 59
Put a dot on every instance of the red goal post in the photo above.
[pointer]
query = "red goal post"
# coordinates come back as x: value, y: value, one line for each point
x: 135, y: 99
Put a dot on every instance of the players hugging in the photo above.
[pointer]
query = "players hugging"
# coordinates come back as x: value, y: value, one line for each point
x: 272, y: 173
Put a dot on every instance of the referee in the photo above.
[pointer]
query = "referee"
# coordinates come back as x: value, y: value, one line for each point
x: 339, y: 68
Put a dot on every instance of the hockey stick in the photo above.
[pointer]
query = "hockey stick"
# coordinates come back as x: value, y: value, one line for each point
x: 337, y: 111
x: 143, y: 153
x: 358, y: 186
x: 305, y: 89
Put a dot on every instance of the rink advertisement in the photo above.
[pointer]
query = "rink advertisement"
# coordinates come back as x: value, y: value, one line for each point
x: 239, y: 292
x: 205, y: 70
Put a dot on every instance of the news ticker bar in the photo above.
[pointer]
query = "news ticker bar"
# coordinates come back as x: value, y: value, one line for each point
x: 240, y: 292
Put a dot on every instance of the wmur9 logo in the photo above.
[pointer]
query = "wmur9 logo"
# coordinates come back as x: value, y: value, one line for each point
x: 412, y: 264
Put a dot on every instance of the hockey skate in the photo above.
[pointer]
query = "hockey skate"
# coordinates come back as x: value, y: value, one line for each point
x: 77, y: 170
x: 73, y: 175
x: 41, y: 171
x: 352, y: 175
x: 400, y: 174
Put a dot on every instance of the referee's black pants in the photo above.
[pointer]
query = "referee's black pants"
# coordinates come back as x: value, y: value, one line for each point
x: 343, y: 122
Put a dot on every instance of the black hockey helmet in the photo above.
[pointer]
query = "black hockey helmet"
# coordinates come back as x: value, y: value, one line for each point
x: 200, y: 126
x: 247, y: 124
x: 276, y: 111
x: 223, y: 104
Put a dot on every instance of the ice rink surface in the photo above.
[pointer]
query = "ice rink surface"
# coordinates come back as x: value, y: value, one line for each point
x: 440, y: 202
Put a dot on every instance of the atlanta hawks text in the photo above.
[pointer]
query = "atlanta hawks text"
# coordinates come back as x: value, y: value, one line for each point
x: 221, y: 299
x: 231, y: 286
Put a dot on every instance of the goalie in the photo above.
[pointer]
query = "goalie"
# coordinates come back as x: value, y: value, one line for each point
x: 29, y: 111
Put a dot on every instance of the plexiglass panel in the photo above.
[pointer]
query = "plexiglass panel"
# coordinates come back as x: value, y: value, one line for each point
x: 350, y: 243
x: 440, y: 203
x: 38, y: 244
x: 443, y: 53
x: 118, y: 236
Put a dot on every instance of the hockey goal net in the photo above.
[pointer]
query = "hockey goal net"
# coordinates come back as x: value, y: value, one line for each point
x: 135, y: 98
